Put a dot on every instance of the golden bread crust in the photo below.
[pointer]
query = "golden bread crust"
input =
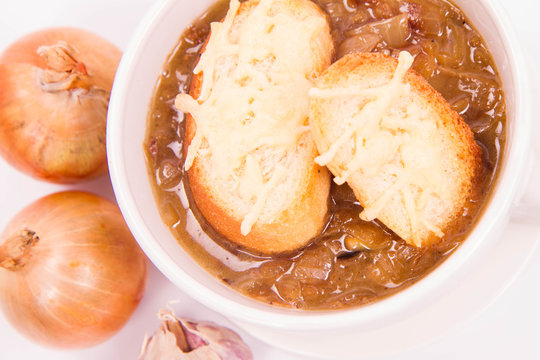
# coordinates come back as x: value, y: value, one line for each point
x: 461, y: 156
x: 306, y: 213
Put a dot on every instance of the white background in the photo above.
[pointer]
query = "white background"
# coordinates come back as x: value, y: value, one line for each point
x: 508, y: 329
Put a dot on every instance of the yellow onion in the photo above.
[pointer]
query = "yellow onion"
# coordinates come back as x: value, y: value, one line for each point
x: 54, y: 94
x: 71, y: 273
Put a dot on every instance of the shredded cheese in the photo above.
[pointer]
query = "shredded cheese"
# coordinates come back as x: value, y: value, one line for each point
x: 253, y: 101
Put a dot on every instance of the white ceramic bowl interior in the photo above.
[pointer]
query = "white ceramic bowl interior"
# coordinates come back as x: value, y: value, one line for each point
x: 136, y: 79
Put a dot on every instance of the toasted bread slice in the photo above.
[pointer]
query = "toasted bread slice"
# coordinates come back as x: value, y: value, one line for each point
x: 411, y: 160
x: 249, y: 151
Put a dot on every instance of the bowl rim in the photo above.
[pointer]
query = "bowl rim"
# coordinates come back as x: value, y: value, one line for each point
x: 503, y: 197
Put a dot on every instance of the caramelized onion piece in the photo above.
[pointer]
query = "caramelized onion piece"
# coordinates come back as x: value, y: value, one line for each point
x: 366, y: 236
x: 364, y: 42
x: 452, y: 51
x: 394, y: 31
x: 426, y: 17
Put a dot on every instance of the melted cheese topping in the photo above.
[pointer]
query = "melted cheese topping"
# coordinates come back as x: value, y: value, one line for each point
x: 393, y: 138
x: 253, y: 103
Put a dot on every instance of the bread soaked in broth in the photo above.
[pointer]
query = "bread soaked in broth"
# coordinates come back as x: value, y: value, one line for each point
x: 258, y: 185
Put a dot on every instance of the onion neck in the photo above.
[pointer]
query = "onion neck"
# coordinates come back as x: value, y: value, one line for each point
x: 63, y: 71
x: 14, y: 252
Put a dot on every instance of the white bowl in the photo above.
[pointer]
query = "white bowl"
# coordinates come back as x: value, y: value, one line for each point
x: 134, y: 84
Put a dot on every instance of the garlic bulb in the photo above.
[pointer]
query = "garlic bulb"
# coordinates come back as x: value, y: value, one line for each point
x: 183, y: 339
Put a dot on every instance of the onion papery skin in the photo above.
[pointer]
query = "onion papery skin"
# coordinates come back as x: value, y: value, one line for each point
x: 58, y: 135
x: 81, y: 280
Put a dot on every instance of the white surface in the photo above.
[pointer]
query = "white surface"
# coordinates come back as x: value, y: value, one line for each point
x: 508, y: 328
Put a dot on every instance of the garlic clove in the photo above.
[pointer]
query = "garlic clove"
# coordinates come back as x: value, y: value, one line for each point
x: 184, y: 339
x: 162, y: 345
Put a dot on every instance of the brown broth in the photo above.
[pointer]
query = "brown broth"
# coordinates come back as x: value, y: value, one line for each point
x: 352, y: 262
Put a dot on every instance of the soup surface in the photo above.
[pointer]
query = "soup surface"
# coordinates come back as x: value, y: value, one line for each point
x: 352, y: 262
